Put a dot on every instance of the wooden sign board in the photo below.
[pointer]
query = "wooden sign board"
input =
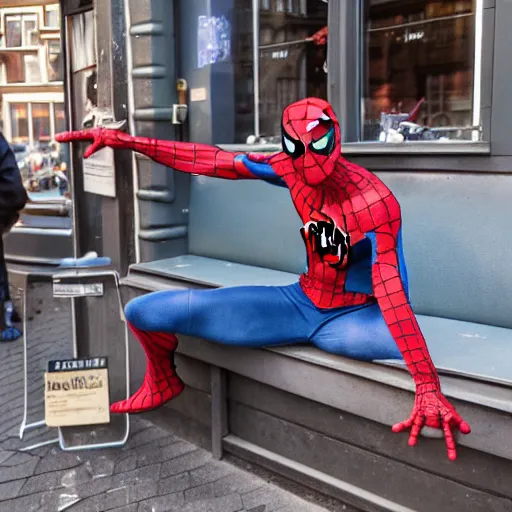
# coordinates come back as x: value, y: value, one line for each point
x: 77, y: 392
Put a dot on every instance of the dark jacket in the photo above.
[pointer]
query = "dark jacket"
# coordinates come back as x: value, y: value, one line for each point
x: 13, y: 196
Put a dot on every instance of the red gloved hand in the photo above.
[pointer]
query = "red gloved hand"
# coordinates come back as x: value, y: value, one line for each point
x: 432, y: 409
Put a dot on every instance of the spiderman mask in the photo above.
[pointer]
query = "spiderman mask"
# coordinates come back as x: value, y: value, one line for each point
x: 311, y: 139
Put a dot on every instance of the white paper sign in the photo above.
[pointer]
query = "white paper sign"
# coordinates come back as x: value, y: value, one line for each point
x: 99, y: 175
x: 77, y: 290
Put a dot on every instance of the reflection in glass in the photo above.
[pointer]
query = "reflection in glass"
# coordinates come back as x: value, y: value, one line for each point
x: 418, y: 58
x: 30, y: 32
x: 19, y: 123
x: 60, y: 118
x: 242, y: 37
x: 41, y: 123
x: 13, y: 31
x: 34, y: 112
x: 52, y: 17
x: 83, y: 41
x: 291, y: 65
x: 21, y: 30
x: 55, y: 65
x: 20, y: 67
x: 32, y: 69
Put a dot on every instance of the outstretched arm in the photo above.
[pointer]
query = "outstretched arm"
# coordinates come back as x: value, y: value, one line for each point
x: 431, y: 408
x: 182, y: 156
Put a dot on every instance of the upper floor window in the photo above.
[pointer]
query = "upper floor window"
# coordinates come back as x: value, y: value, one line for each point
x: 52, y: 16
x: 20, y: 30
x: 55, y: 64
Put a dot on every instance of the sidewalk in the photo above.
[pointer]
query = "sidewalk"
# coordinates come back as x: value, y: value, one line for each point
x: 154, y: 472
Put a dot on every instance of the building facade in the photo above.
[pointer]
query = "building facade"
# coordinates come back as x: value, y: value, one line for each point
x: 31, y: 73
x: 324, y: 421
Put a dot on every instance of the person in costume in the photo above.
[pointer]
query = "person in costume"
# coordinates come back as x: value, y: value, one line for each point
x: 353, y: 298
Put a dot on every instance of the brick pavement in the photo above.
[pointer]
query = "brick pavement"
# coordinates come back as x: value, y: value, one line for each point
x: 155, y: 472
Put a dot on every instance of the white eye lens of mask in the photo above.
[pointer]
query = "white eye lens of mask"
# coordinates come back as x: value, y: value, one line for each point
x: 290, y: 146
x: 321, y: 143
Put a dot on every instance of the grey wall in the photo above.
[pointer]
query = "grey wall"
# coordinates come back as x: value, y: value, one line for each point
x: 163, y: 193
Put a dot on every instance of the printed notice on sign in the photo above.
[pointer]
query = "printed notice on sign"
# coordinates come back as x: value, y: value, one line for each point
x: 77, y: 393
x: 99, y: 175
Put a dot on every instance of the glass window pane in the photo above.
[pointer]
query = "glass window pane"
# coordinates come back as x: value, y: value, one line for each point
x: 41, y: 123
x: 29, y: 31
x: 83, y: 41
x: 32, y: 69
x: 13, y: 31
x: 55, y: 68
x: 52, y: 18
x: 242, y: 56
x: 292, y: 67
x: 19, y: 123
x: 60, y: 118
x: 418, y: 66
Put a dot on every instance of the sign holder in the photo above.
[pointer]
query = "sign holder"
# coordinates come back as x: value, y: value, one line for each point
x: 65, y: 285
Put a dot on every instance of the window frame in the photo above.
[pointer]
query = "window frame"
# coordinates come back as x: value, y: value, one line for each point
x: 50, y: 8
x: 50, y: 98
x: 23, y: 17
x: 493, y: 154
x: 344, y: 93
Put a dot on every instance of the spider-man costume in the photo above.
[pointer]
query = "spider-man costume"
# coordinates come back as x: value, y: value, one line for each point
x: 351, y: 300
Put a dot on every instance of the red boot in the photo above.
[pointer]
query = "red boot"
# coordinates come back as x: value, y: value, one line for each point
x: 161, y: 383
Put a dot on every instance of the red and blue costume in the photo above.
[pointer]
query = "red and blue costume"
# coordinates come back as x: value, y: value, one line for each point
x: 353, y: 298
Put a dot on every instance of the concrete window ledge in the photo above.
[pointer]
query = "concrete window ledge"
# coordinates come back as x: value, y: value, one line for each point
x: 474, y: 373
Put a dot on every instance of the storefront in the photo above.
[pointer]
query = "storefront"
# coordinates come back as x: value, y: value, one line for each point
x: 321, y: 420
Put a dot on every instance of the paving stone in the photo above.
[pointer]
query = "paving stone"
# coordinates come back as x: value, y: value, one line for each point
x: 191, y: 460
x: 128, y: 508
x: 241, y: 483
x: 147, y: 473
x: 264, y: 496
x: 24, y: 504
x: 259, y: 508
x: 18, y: 458
x: 39, y: 483
x: 174, y: 483
x: 17, y: 472
x: 145, y: 436
x: 143, y: 490
x: 231, y: 503
x: 129, y: 463
x: 162, y: 503
x: 159, y: 454
x: 56, y: 460
x: 201, y: 492
x: 10, y: 490
x: 210, y: 472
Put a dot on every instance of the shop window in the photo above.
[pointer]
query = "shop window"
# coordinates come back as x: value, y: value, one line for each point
x: 419, y: 65
x: 60, y: 118
x: 19, y: 123
x: 41, y: 123
x: 291, y: 65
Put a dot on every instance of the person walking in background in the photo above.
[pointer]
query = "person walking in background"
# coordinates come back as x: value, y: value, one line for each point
x: 13, y: 198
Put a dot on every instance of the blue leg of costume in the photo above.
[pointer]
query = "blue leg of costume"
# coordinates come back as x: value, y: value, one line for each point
x: 253, y: 316
x: 256, y: 316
